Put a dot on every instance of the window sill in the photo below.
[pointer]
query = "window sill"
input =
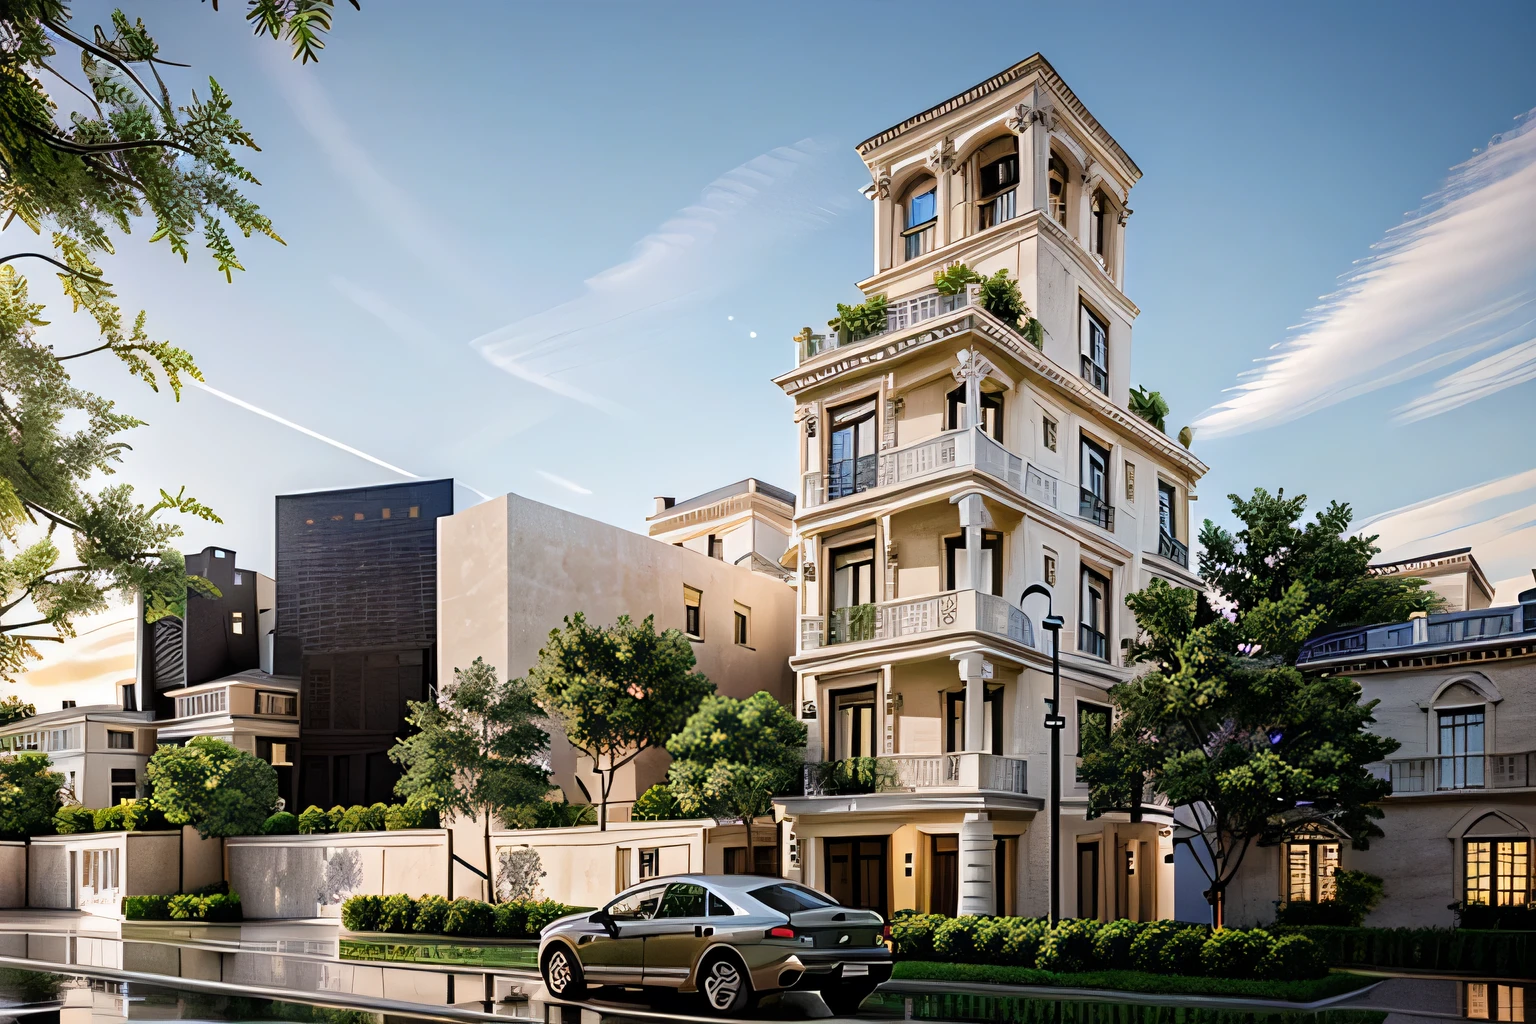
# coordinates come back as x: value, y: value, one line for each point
x: 695, y: 639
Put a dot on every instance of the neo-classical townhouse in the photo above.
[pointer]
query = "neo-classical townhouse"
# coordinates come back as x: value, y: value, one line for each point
x: 947, y: 464
x: 746, y: 523
x: 100, y: 749
x: 1457, y: 690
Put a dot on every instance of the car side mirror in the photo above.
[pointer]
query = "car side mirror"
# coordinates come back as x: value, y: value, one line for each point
x: 605, y: 919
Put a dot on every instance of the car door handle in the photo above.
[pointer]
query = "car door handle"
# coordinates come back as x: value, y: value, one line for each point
x: 702, y: 930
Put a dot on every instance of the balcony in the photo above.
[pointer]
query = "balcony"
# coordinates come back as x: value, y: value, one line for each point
x: 954, y: 611
x: 1445, y: 629
x: 899, y: 315
x: 1096, y: 375
x: 1091, y: 642
x: 1458, y: 773
x: 915, y: 773
x: 1096, y: 510
x: 968, y: 448
x: 1173, y: 550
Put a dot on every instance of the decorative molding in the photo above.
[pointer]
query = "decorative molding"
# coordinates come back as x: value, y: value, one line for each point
x: 881, y: 187
x: 942, y: 156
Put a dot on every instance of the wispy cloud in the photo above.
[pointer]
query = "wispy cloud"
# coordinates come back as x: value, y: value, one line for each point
x: 1458, y: 276
x: 1497, y: 519
x: 741, y: 217
x: 560, y: 481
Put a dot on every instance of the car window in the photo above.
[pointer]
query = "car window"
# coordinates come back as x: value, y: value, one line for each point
x: 683, y: 899
x: 719, y: 908
x: 637, y: 906
x: 788, y: 899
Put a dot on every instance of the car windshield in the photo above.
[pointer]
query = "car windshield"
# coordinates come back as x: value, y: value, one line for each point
x: 637, y: 906
x: 788, y: 899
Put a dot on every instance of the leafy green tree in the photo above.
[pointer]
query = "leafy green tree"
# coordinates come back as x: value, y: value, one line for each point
x: 1319, y: 568
x: 1239, y: 746
x: 213, y: 786
x: 1150, y: 406
x: 617, y: 691
x: 121, y: 150
x: 734, y: 756
x: 476, y: 750
x: 14, y: 709
x: 29, y: 795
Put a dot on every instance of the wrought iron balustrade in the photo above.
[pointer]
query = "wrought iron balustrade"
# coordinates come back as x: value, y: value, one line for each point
x: 1095, y: 509
x: 1456, y: 772
x: 1172, y: 549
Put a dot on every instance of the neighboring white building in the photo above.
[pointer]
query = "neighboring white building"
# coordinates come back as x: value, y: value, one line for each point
x: 253, y: 710
x: 747, y: 523
x: 101, y: 750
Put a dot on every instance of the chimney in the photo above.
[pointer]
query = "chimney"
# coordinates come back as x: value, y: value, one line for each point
x: 662, y: 504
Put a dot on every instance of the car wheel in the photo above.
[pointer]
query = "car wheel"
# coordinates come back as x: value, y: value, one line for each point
x: 844, y: 999
x: 724, y: 984
x: 562, y: 973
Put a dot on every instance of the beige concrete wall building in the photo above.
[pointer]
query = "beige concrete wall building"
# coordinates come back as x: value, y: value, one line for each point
x: 747, y: 523
x: 948, y: 463
x: 510, y: 570
x: 1458, y: 692
x: 1454, y: 575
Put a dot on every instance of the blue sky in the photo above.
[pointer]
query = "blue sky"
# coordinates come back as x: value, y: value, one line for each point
x: 444, y: 181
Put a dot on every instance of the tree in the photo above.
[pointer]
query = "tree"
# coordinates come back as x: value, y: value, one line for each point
x: 1240, y: 745
x: 14, y: 709
x: 476, y: 750
x: 1260, y: 565
x: 617, y: 691
x: 734, y: 756
x: 213, y: 786
x: 124, y: 151
x: 29, y: 795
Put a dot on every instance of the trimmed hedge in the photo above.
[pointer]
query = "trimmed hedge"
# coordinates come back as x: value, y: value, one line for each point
x: 1507, y: 954
x: 357, y: 818
x: 281, y: 824
x: 134, y: 816
x: 1077, y: 946
x: 1296, y: 991
x: 1483, y: 917
x: 465, y: 918
x: 184, y: 907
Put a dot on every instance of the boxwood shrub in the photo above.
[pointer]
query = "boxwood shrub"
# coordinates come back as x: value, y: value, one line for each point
x: 358, y: 818
x: 1508, y: 954
x: 184, y: 907
x: 463, y: 918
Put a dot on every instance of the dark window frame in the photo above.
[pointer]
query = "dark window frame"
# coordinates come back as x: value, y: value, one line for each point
x: 991, y: 411
x: 991, y: 540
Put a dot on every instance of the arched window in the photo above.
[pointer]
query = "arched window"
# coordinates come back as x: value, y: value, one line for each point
x: 921, y: 217
x: 997, y: 182
x: 1058, y: 189
x: 1098, y: 242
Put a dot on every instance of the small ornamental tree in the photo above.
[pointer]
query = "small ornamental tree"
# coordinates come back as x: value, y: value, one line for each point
x: 476, y: 749
x: 617, y: 691
x: 734, y: 756
x: 29, y: 795
x: 213, y: 786
x: 1241, y: 743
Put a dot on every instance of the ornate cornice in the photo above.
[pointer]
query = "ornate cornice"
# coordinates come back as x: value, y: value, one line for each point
x: 1025, y: 67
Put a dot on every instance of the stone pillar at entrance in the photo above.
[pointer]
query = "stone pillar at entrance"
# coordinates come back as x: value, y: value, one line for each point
x: 978, y: 849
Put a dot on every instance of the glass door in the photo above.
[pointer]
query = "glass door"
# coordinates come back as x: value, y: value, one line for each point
x: 852, y: 462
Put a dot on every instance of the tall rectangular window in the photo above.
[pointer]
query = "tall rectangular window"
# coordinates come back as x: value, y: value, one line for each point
x: 237, y: 623
x: 1093, y: 628
x: 957, y: 563
x: 693, y: 613
x: 1095, y: 350
x: 743, y: 625
x: 853, y: 594
x: 1130, y: 480
x: 1093, y: 503
x: 1498, y: 872
x: 1310, y: 870
x: 852, y: 459
x: 922, y: 218
x: 1167, y: 499
x: 1048, y: 433
x: 1461, y: 749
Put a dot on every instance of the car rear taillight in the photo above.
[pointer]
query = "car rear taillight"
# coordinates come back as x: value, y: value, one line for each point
x: 781, y: 933
x: 885, y: 932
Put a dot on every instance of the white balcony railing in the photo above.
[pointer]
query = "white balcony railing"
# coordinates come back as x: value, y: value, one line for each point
x: 951, y: 611
x: 914, y: 773
x: 899, y: 315
x: 969, y: 447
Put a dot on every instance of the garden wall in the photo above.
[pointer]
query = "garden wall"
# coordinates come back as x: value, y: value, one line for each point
x: 307, y: 876
x: 13, y: 875
x: 585, y: 867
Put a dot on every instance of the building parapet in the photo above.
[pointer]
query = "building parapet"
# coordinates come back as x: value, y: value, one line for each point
x: 1424, y: 635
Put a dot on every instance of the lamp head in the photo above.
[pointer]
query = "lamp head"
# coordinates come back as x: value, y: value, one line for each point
x: 1053, y: 623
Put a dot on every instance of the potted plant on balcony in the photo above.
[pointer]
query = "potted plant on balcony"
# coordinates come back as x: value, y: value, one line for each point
x: 862, y: 320
x: 1150, y: 406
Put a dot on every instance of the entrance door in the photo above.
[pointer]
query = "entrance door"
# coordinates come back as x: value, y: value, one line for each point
x: 1001, y: 879
x: 856, y: 872
x: 1088, y: 880
x: 944, y: 875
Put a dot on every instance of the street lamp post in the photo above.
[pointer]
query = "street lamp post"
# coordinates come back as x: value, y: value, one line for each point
x: 1054, y: 722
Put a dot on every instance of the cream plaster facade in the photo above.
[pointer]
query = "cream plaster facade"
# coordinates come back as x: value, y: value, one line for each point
x: 1454, y: 575
x: 1458, y: 693
x: 101, y: 750
x: 747, y: 523
x: 950, y: 433
x: 510, y: 570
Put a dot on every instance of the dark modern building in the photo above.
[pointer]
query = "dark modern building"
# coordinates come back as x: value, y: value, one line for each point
x: 357, y: 623
x: 204, y: 637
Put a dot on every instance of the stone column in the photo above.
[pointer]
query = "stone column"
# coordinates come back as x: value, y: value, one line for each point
x: 975, y: 694
x: 879, y: 192
x: 978, y: 848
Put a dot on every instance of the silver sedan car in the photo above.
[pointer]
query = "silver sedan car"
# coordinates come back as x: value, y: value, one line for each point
x: 730, y: 938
